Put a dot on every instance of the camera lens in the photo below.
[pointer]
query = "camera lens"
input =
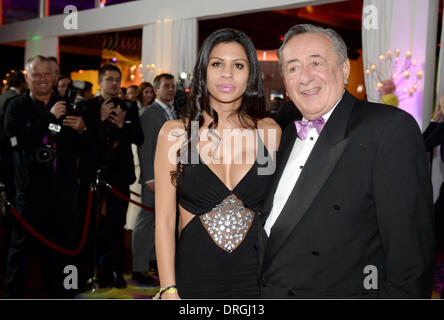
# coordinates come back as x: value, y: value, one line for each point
x: 44, y: 154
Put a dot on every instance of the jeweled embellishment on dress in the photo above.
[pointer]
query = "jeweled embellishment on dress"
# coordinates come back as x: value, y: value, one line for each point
x: 228, y: 223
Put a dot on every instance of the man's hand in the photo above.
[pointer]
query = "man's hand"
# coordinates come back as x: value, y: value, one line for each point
x: 150, y: 186
x: 118, y: 117
x: 59, y: 109
x: 106, y: 109
x: 75, y: 122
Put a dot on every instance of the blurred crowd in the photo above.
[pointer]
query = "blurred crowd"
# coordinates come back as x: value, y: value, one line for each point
x: 58, y: 138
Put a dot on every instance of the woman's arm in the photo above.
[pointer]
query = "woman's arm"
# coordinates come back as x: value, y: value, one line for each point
x: 165, y: 200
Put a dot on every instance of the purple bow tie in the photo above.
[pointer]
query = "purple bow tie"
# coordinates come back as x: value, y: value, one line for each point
x: 303, y: 127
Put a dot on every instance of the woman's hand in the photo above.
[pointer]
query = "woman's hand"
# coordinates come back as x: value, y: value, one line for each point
x: 438, y: 113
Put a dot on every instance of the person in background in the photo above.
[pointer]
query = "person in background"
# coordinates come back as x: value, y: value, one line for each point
x: 152, y: 119
x: 131, y: 93
x: 47, y: 143
x: 433, y: 137
x: 15, y: 85
x: 117, y: 127
x: 145, y: 95
x: 122, y: 93
x: 55, y: 67
x: 62, y: 85
x: 85, y: 93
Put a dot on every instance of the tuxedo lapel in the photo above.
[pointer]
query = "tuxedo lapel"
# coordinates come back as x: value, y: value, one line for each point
x: 319, y: 166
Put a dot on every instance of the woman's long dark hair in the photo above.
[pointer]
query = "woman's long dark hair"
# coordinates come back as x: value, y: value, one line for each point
x: 253, y: 101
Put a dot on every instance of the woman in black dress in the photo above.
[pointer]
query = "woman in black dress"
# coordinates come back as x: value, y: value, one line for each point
x: 217, y: 163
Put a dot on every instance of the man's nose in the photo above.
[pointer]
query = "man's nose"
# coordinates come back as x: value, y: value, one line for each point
x: 305, y: 76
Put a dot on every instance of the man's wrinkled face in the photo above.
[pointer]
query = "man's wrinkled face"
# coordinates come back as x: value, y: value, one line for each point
x: 312, y: 75
x: 40, y: 78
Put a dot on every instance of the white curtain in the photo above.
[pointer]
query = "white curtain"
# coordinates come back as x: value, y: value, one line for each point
x: 169, y: 46
x: 376, y: 41
x: 407, y: 25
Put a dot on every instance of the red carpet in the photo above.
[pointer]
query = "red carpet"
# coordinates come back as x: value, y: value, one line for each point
x: 439, y: 275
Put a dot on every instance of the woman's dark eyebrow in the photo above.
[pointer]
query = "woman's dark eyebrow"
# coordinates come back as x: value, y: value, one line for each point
x: 232, y: 60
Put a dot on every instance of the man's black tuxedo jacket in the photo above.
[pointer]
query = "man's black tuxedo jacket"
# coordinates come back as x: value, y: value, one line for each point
x: 363, y: 203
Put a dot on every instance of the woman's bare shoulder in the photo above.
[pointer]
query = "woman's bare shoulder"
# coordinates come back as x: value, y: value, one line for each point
x: 271, y: 133
x: 268, y: 123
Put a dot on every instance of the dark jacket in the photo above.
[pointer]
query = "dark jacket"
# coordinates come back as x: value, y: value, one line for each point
x: 113, y: 152
x: 26, y: 121
x: 363, y: 203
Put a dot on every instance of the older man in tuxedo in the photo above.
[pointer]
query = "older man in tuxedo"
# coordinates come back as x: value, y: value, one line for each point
x: 350, y: 214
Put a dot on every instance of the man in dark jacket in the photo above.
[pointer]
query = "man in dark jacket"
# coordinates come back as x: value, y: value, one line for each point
x: 117, y: 126
x: 45, y: 143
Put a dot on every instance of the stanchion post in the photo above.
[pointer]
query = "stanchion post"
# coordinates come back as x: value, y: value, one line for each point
x: 98, y: 190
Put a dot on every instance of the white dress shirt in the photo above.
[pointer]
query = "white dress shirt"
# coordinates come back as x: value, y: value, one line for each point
x: 168, y: 109
x: 295, y: 163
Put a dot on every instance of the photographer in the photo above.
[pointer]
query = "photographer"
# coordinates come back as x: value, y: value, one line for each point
x: 46, y: 141
x: 15, y: 85
x: 117, y: 127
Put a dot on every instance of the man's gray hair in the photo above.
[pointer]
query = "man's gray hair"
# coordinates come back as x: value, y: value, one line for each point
x: 339, y: 45
x: 39, y: 58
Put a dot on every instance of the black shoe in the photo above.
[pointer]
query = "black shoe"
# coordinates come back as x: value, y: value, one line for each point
x: 140, y: 278
x: 118, y: 281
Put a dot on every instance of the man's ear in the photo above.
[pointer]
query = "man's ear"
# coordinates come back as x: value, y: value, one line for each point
x: 346, y: 70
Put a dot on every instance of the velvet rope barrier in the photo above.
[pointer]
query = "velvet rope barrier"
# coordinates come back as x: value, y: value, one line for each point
x: 135, y: 193
x: 50, y: 244
x: 124, y: 197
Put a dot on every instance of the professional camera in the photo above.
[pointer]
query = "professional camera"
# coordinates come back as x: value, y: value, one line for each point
x: 111, y: 130
x: 121, y: 104
x: 124, y: 105
x: 44, y: 154
x: 72, y: 108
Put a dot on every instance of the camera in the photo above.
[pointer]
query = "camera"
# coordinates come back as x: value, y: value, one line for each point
x: 124, y: 105
x: 121, y: 104
x: 44, y: 154
x: 72, y: 108
x: 110, y: 128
